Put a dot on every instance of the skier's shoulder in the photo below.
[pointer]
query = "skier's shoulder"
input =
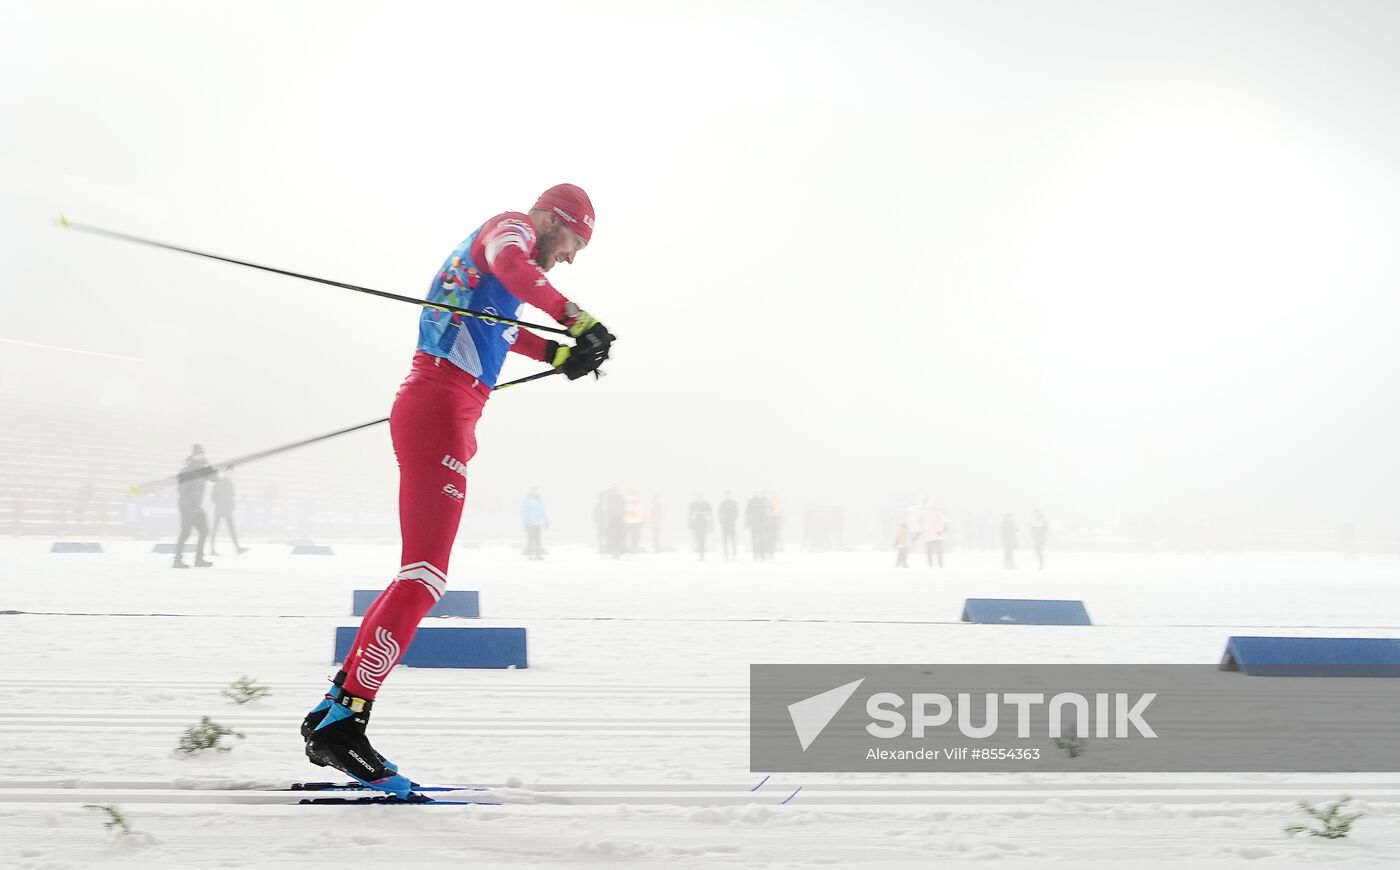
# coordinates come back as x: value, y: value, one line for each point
x: 509, y: 223
x: 505, y: 230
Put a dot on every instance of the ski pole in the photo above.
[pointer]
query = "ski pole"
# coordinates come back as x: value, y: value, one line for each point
x: 261, y: 454
x: 455, y: 309
x: 597, y: 373
x: 526, y: 380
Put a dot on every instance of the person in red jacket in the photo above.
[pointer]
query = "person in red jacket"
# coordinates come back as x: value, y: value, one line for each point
x: 433, y: 427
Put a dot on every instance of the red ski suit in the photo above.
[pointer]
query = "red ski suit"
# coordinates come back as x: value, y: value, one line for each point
x: 433, y: 428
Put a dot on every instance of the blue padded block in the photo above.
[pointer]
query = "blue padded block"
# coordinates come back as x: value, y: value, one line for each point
x: 75, y: 547
x: 453, y: 603
x: 1024, y: 611
x: 311, y: 550
x: 453, y: 647
x: 1313, y: 656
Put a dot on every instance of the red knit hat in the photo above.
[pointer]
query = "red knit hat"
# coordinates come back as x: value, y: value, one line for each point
x: 572, y: 204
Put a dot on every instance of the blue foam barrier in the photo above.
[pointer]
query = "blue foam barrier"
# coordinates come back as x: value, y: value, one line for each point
x: 312, y: 550
x: 75, y: 547
x: 1024, y: 611
x: 454, y: 603
x: 453, y: 647
x: 1313, y: 656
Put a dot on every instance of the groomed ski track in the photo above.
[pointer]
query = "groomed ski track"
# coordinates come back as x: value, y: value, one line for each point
x: 626, y: 741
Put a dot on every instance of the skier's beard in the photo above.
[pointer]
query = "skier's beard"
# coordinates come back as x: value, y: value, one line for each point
x: 548, y: 247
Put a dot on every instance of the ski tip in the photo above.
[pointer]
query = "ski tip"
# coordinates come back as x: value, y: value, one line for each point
x: 61, y: 222
x: 133, y: 490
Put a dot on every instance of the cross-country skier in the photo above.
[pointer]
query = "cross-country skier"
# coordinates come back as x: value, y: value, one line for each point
x: 500, y: 266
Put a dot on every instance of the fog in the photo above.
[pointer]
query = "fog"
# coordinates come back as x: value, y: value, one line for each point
x: 1131, y: 263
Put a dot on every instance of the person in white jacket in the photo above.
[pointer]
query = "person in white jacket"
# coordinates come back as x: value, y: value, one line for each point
x: 932, y: 529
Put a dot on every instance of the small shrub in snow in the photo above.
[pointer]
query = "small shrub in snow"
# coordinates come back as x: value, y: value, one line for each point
x: 1335, y: 824
x: 205, y: 735
x: 1071, y: 742
x: 115, y: 820
x: 244, y: 690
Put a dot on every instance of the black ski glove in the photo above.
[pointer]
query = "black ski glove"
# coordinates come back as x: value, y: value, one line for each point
x: 587, y: 355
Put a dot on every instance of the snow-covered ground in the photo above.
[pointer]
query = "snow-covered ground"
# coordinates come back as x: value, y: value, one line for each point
x: 626, y: 740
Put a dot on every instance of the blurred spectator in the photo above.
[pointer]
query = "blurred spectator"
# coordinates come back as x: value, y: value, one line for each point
x: 191, y: 480
x: 700, y: 518
x: 932, y: 530
x: 901, y: 546
x: 728, y: 518
x: 223, y: 512
x: 1040, y: 531
x: 757, y: 521
x: 634, y: 518
x: 536, y: 520
x: 1008, y: 539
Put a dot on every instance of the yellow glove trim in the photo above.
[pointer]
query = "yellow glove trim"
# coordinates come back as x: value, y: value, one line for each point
x: 582, y: 324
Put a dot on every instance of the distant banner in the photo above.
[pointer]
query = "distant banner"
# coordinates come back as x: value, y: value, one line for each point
x: 1056, y: 718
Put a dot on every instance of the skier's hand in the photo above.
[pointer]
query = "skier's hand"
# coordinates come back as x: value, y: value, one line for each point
x: 575, y: 362
x: 581, y: 323
x: 561, y: 357
x: 577, y: 320
x: 593, y: 344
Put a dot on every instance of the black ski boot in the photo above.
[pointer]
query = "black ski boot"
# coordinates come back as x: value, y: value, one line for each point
x: 318, y: 715
x: 339, y: 741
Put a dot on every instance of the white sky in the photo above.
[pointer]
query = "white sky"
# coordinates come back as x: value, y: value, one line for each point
x: 1100, y: 257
